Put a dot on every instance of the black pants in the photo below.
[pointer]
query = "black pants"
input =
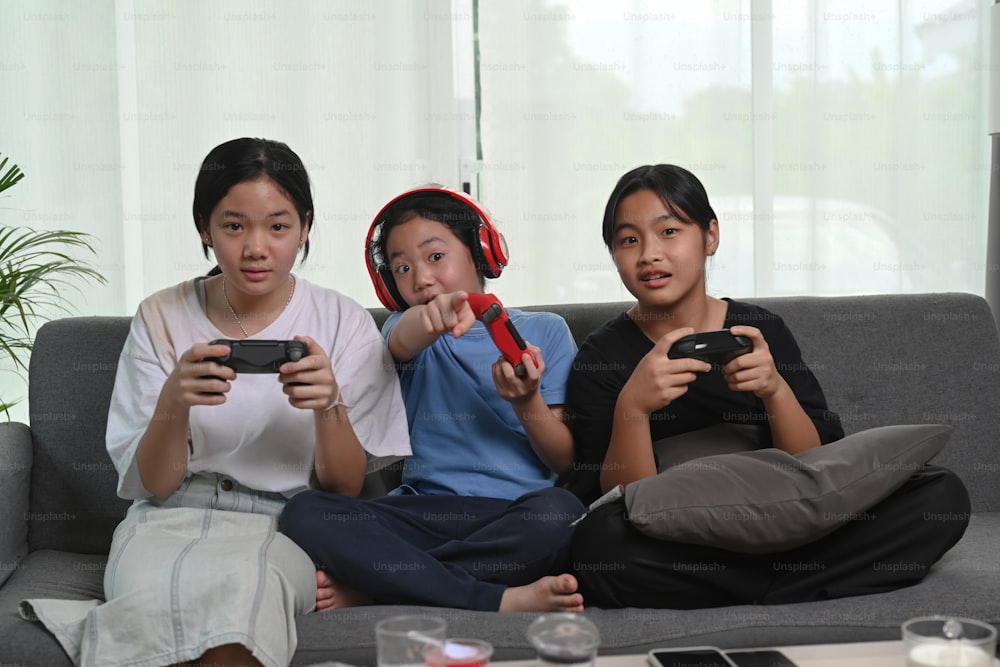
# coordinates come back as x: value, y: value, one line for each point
x: 892, y: 545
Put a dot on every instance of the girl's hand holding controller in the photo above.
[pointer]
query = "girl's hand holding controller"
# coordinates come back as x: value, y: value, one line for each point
x: 510, y: 386
x: 658, y: 380
x: 309, y: 382
x: 195, y: 381
x: 754, y: 371
x: 448, y: 312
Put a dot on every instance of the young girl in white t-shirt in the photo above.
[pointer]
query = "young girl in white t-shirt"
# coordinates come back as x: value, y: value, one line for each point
x: 198, y: 570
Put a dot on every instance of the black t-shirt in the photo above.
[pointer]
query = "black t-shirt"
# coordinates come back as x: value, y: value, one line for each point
x: 609, y: 355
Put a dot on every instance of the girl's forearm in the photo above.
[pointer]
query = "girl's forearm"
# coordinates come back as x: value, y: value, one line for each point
x: 548, y: 434
x: 340, y: 460
x: 792, y: 430
x: 162, y: 453
x: 409, y: 336
x: 630, y: 453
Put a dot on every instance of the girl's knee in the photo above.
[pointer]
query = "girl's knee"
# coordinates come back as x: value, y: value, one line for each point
x: 305, y: 512
x: 555, y: 501
x: 568, y: 500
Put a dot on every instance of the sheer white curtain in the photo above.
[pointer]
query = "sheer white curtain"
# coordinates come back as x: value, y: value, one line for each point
x: 109, y: 108
x: 843, y: 143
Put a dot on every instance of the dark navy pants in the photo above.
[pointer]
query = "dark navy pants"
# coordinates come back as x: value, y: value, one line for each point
x: 448, y: 551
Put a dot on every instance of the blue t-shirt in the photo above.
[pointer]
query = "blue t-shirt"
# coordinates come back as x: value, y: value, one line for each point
x: 466, y: 439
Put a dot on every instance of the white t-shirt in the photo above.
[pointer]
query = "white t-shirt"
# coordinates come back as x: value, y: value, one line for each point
x: 255, y: 437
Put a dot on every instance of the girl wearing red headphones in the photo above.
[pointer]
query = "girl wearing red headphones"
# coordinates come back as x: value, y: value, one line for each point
x: 477, y: 523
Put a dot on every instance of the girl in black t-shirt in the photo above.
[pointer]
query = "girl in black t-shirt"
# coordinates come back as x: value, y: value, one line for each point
x: 660, y: 229
x: 625, y: 397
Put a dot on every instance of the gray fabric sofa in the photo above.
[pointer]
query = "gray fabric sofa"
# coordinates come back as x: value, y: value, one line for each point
x: 882, y: 360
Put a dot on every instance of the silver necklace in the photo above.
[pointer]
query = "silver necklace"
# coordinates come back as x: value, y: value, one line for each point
x: 233, y: 310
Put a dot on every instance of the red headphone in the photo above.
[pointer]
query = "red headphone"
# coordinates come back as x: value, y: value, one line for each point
x: 489, y: 254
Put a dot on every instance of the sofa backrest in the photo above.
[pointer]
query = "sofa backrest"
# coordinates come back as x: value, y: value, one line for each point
x: 910, y: 359
x: 74, y: 504
x: 881, y: 360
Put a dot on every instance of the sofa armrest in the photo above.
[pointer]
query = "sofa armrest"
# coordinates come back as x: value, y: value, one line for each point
x: 15, y: 477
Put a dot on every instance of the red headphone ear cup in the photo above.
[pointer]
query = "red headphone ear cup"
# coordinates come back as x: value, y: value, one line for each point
x: 390, y: 297
x: 382, y: 280
x: 381, y: 290
x: 494, y: 249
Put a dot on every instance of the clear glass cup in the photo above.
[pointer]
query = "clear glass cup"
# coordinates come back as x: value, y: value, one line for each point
x: 945, y: 641
x: 459, y: 653
x: 400, y: 641
x: 565, y: 639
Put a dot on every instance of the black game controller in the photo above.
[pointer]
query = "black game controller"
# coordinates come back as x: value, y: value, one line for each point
x: 259, y: 356
x: 715, y: 347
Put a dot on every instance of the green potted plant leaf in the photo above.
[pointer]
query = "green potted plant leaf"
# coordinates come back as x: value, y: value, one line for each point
x: 38, y: 272
x: 12, y: 176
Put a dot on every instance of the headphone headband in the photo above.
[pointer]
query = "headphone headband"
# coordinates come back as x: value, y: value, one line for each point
x: 488, y: 246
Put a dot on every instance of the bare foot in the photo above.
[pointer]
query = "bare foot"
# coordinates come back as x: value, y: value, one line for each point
x: 546, y: 594
x: 331, y: 594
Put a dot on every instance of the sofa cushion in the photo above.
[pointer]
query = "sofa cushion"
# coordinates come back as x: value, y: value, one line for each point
x: 44, y: 574
x: 768, y: 500
x: 716, y: 439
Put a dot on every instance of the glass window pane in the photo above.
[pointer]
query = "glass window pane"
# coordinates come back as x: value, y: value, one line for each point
x: 880, y: 156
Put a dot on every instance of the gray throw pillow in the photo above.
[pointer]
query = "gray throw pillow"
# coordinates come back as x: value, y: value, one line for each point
x: 767, y: 500
x: 721, y: 438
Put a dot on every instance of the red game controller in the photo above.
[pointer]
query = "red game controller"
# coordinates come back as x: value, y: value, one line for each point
x: 489, y: 309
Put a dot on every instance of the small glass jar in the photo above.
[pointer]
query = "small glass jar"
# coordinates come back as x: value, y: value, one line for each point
x: 565, y: 639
